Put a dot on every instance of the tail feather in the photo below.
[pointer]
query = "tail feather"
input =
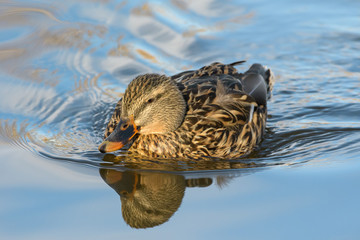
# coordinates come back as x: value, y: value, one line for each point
x: 258, y: 82
x: 270, y: 80
x: 237, y: 63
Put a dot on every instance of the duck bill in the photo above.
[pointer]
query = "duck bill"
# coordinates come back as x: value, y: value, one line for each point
x: 119, y: 137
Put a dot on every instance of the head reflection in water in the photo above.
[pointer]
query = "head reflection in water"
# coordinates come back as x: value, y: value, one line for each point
x: 149, y: 199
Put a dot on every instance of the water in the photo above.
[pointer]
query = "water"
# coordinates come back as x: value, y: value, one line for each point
x: 63, y: 65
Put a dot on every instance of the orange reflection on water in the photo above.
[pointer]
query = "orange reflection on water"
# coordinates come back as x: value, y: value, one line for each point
x: 147, y: 55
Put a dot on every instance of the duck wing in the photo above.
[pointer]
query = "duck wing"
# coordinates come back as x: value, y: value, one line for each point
x: 226, y: 109
x: 256, y: 82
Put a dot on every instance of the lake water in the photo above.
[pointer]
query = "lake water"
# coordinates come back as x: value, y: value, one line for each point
x: 64, y: 64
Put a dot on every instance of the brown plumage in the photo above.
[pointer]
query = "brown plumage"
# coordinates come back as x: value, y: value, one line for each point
x: 211, y: 112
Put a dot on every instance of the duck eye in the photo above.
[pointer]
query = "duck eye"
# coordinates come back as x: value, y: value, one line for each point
x: 124, y: 126
x: 149, y: 211
x: 150, y: 100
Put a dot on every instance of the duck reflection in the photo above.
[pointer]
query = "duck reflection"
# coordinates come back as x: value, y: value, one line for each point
x: 149, y: 199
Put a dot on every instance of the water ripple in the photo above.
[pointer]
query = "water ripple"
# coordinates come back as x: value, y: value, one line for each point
x: 62, y: 76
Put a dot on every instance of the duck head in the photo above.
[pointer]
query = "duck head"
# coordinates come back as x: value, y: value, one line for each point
x: 152, y: 104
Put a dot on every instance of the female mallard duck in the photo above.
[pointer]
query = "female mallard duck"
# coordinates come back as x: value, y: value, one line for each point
x: 211, y: 112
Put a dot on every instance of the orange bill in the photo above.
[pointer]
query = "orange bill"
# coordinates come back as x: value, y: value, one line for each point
x: 123, y: 133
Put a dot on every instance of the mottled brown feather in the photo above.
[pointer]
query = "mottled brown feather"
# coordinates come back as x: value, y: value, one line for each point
x: 221, y: 120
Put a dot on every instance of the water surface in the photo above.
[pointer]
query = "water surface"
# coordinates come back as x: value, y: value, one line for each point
x: 63, y: 66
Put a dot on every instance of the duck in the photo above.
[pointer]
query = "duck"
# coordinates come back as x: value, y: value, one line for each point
x: 212, y: 112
